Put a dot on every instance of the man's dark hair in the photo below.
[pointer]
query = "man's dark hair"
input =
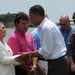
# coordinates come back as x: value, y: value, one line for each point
x: 21, y: 15
x: 37, y: 9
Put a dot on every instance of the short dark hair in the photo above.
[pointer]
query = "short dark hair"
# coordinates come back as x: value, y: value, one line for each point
x: 37, y: 9
x: 20, y: 15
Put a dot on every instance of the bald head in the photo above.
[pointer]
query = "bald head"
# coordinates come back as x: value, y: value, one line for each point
x: 64, y: 22
x: 64, y: 17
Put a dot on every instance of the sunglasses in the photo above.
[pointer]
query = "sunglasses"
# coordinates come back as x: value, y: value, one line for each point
x: 62, y: 24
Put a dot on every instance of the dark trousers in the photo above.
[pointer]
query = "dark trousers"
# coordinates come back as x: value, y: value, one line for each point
x: 20, y: 71
x: 59, y: 66
x: 72, y: 73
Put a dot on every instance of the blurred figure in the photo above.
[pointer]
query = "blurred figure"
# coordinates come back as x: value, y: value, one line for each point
x: 71, y: 48
x: 21, y: 41
x: 71, y: 51
x: 65, y: 27
x: 7, y: 60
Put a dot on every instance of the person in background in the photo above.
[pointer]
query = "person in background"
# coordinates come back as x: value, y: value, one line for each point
x: 71, y: 48
x: 65, y: 27
x: 7, y: 60
x: 53, y: 47
x: 21, y: 41
x: 71, y: 51
x: 42, y: 65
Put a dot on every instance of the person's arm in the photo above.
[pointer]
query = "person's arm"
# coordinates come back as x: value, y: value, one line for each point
x: 34, y: 66
x: 70, y: 48
x: 5, y: 58
x: 27, y: 55
x: 72, y: 64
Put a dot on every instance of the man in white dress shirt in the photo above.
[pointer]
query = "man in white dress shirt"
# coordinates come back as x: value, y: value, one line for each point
x: 53, y: 47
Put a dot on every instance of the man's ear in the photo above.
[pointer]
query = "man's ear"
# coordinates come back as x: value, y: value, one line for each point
x: 15, y: 24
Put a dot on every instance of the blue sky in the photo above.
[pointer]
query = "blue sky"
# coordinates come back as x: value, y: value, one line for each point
x: 54, y: 8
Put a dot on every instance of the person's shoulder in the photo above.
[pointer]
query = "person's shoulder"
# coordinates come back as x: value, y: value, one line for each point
x: 73, y: 31
x: 51, y: 25
x: 12, y: 35
x: 28, y: 34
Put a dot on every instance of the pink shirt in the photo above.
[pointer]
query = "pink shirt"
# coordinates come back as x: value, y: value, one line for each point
x: 21, y: 43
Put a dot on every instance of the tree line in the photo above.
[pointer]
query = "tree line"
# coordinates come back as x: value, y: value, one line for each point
x: 8, y: 20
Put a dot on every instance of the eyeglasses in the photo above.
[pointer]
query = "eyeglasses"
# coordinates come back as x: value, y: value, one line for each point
x: 62, y: 24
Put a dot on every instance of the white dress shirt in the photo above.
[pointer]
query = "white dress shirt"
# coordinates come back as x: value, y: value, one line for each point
x: 7, y: 60
x: 52, y: 41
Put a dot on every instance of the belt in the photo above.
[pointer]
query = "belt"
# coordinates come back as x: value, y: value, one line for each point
x: 43, y: 59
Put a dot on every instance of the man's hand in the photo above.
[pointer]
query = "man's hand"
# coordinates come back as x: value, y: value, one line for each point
x: 73, y: 67
x: 24, y: 55
x: 32, y: 71
x: 18, y: 59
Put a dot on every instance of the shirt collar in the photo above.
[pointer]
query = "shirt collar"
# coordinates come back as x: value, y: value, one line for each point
x: 42, y: 23
x: 19, y: 32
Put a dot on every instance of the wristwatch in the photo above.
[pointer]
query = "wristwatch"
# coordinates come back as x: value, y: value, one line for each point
x: 30, y: 55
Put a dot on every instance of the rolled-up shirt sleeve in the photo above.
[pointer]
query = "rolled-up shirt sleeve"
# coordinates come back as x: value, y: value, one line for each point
x: 46, y: 43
